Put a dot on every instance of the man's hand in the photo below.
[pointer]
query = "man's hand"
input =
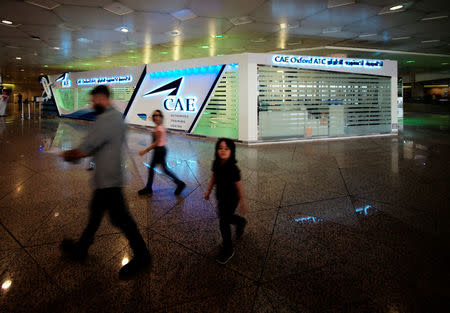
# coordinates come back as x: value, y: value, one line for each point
x: 142, y: 152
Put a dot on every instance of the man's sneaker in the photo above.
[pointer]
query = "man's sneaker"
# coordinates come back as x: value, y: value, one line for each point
x: 240, y: 228
x: 180, y: 188
x: 134, y: 267
x: 73, y: 250
x: 225, y: 255
x: 145, y: 191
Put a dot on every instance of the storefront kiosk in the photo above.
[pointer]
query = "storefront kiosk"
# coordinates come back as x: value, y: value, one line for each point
x: 249, y: 97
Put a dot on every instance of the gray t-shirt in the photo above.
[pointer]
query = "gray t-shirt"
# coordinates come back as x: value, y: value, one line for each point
x: 104, y: 142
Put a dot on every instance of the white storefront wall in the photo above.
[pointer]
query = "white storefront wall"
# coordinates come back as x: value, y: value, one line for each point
x: 248, y: 83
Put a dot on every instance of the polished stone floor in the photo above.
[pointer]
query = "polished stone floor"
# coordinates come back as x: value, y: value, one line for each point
x: 360, y: 225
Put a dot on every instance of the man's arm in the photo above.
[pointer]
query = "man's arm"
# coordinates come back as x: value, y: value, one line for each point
x: 97, y: 136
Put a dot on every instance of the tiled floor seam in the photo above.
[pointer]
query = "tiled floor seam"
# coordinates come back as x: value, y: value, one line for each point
x: 194, y: 300
x: 313, y: 201
x: 200, y: 254
x: 7, y: 194
x: 149, y: 226
x: 268, y: 246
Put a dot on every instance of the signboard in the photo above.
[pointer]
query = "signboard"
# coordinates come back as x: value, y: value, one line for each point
x: 296, y: 60
x: 71, y: 91
x: 180, y: 94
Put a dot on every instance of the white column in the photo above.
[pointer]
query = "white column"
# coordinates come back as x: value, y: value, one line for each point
x: 248, y: 101
x: 394, y: 94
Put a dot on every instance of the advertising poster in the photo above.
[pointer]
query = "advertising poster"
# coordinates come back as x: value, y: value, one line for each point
x: 180, y: 94
x: 71, y: 91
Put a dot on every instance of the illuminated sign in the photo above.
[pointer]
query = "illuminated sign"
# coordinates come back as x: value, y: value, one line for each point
x: 295, y: 60
x: 182, y: 94
x: 125, y: 79
x: 174, y: 103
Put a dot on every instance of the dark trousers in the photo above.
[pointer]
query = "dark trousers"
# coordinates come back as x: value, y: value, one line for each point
x: 159, y: 157
x: 227, y: 217
x: 113, y: 201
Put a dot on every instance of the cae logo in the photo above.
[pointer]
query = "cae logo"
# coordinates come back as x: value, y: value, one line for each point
x: 173, y: 102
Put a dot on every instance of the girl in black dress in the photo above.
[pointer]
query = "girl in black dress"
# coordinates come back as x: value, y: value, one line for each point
x: 227, y: 178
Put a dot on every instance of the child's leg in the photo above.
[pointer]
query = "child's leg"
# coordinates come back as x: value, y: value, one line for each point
x: 237, y: 220
x: 225, y: 229
x: 169, y: 173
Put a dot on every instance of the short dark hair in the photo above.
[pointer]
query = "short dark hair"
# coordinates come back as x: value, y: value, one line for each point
x: 101, y: 90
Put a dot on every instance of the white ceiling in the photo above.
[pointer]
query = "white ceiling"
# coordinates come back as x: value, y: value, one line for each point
x: 151, y: 21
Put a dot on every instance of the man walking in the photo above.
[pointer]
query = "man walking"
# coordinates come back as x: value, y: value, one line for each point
x: 104, y: 142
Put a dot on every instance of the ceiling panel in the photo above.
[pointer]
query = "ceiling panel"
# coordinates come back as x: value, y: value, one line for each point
x: 23, y: 13
x: 432, y: 5
x: 383, y: 22
x: 88, y: 17
x: 341, y: 16
x: 204, y: 27
x: 279, y: 11
x: 224, y: 8
x: 253, y: 30
x: 150, y: 22
x: 46, y: 32
x: 165, y: 6
x: 88, y: 3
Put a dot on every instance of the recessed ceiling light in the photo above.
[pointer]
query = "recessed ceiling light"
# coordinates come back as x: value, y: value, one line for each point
x: 410, y: 61
x: 108, y: 61
x: 367, y: 35
x: 18, y: 58
x: 56, y: 48
x: 7, y: 22
x: 122, y: 29
x: 205, y: 47
x: 219, y: 36
x: 429, y: 41
x: 241, y: 20
x: 22, y: 70
x: 396, y: 7
x: 164, y: 52
x: 175, y: 32
x: 339, y: 3
x: 46, y: 4
x: 434, y: 16
x: 184, y: 15
x: 84, y: 40
x: 283, y: 25
x: 401, y: 38
x: 6, y: 284
x: 219, y: 55
x: 117, y: 8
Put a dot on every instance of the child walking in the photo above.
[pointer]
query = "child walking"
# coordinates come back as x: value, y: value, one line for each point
x: 227, y: 178
x: 159, y: 157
